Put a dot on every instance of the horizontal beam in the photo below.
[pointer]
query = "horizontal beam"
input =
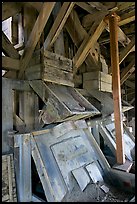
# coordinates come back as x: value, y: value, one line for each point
x: 35, y: 35
x: 9, y: 63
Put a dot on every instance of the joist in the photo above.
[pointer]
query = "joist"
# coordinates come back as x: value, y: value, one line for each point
x: 35, y: 35
x: 9, y: 63
x: 8, y: 47
x: 98, y: 5
x: 90, y: 41
x: 10, y: 9
x: 113, y: 26
x: 125, y: 51
x: 58, y: 24
x: 127, y: 71
x: 125, y: 5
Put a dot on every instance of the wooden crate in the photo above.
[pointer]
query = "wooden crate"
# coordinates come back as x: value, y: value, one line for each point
x: 97, y: 81
x: 54, y: 68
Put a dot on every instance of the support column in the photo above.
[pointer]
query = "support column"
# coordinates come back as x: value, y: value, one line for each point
x: 113, y: 26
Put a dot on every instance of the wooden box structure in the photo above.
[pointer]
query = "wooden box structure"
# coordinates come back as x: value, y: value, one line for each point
x: 54, y: 68
x: 97, y: 81
x: 62, y: 103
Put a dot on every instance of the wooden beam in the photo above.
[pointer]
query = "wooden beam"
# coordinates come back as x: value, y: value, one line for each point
x: 36, y: 5
x: 10, y: 9
x: 58, y: 24
x: 130, y: 84
x: 127, y: 71
x: 124, y: 53
x: 124, y: 19
x: 9, y: 63
x: 78, y: 34
x: 90, y: 41
x: 85, y: 6
x: 8, y: 47
x: 98, y: 5
x: 35, y: 35
x: 113, y: 25
x: 127, y: 18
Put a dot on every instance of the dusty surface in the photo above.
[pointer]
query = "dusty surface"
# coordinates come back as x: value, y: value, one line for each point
x: 94, y: 194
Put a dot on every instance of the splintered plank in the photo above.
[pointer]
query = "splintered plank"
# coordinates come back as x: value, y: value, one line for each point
x: 35, y: 35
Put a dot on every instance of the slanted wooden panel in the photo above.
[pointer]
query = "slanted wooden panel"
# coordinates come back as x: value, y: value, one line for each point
x: 90, y: 41
x: 35, y: 35
x: 58, y: 24
x: 127, y: 71
x: 10, y: 9
x: 113, y: 25
x: 9, y: 63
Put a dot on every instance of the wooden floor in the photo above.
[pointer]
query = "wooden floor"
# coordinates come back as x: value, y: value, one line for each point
x: 8, y: 179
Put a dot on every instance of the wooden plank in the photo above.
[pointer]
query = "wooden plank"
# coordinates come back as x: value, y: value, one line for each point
x: 127, y: 71
x: 89, y: 42
x: 8, y: 47
x: 58, y: 76
x: 10, y: 9
x: 9, y: 63
x: 58, y: 24
x: 35, y: 35
x: 36, y: 5
x: 127, y: 18
x: 130, y: 84
x: 59, y: 43
x: 113, y: 25
x: 97, y: 85
x: 124, y: 19
x: 78, y: 34
x: 97, y: 75
x: 56, y: 57
x: 98, y: 5
x: 124, y: 53
x: 85, y: 6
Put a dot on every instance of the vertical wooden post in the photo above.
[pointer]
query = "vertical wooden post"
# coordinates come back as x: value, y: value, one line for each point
x: 113, y: 25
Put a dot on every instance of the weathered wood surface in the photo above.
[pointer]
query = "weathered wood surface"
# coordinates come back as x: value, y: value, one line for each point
x: 62, y: 103
x: 58, y: 24
x: 97, y: 81
x: 113, y: 25
x: 8, y: 179
x: 9, y: 63
x: 10, y: 9
x: 35, y: 35
x: 84, y: 49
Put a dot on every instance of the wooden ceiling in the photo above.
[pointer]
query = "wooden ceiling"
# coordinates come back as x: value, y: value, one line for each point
x: 86, y: 26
